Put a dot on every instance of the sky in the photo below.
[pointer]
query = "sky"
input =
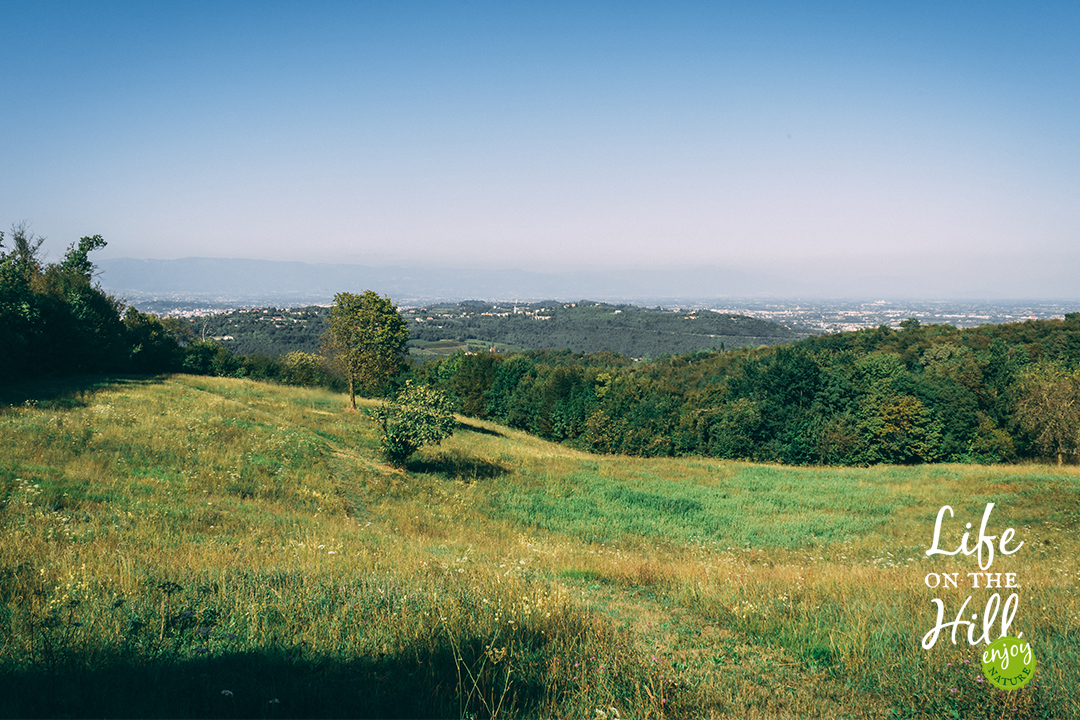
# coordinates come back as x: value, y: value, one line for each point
x: 935, y: 142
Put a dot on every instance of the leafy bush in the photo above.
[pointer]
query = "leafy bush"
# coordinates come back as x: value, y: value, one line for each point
x: 419, y: 415
x: 304, y: 368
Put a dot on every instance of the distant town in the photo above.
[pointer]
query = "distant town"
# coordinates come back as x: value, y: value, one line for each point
x: 832, y: 316
x: 817, y: 316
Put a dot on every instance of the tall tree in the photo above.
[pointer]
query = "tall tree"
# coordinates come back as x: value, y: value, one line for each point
x: 20, y: 331
x: 366, y: 340
x: 1048, y: 407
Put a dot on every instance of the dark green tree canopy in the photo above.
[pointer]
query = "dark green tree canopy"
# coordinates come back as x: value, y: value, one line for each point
x: 77, y: 259
x: 53, y: 319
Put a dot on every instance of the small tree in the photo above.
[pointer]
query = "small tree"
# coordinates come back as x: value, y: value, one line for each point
x: 419, y: 415
x: 366, y: 340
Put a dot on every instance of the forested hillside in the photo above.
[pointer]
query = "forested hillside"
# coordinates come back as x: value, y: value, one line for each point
x: 921, y: 394
x: 266, y: 331
x: 587, y: 327
x: 441, y: 330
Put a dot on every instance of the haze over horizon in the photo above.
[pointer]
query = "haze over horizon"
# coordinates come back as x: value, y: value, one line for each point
x: 922, y: 146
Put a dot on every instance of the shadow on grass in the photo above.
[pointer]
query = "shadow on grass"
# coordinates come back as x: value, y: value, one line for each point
x: 456, y: 467
x: 257, y: 685
x: 64, y: 393
x: 478, y: 429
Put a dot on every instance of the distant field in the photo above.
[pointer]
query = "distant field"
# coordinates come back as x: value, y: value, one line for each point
x: 190, y: 546
x: 432, y: 349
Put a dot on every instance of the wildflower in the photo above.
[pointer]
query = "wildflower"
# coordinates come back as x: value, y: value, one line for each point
x: 978, y: 678
x: 953, y: 690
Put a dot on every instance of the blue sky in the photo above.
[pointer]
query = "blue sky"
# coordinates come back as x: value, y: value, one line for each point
x: 835, y: 139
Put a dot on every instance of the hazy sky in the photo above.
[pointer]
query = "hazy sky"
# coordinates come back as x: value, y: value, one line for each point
x: 861, y: 137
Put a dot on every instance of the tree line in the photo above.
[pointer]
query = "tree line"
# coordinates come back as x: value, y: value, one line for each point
x: 924, y: 393
x: 56, y: 320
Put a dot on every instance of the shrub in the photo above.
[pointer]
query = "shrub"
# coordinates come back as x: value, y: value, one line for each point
x: 419, y: 415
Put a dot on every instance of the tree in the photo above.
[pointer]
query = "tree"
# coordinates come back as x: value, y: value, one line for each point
x: 53, y: 319
x: 419, y: 415
x: 910, y: 324
x: 366, y: 340
x: 152, y: 345
x: 1048, y: 407
x: 20, y: 329
x: 897, y: 429
x: 77, y: 260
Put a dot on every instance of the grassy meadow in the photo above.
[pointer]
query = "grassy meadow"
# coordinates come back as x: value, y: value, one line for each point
x: 191, y: 546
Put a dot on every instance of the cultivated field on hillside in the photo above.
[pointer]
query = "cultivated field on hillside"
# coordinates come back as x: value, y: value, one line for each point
x: 191, y: 546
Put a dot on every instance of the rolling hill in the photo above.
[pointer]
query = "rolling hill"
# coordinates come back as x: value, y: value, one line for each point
x: 440, y: 330
x: 188, y: 546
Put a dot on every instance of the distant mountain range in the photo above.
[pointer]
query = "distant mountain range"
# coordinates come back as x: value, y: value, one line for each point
x: 268, y: 282
x: 272, y: 282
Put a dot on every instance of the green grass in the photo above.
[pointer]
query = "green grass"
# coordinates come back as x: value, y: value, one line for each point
x: 422, y: 350
x: 693, y: 502
x: 183, y: 546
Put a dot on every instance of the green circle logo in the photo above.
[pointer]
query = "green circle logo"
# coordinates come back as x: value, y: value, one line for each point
x: 1008, y: 663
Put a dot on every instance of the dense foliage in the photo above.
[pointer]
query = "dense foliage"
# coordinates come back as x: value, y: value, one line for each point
x: 54, y: 320
x: 366, y: 341
x: 925, y: 393
x: 419, y: 415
